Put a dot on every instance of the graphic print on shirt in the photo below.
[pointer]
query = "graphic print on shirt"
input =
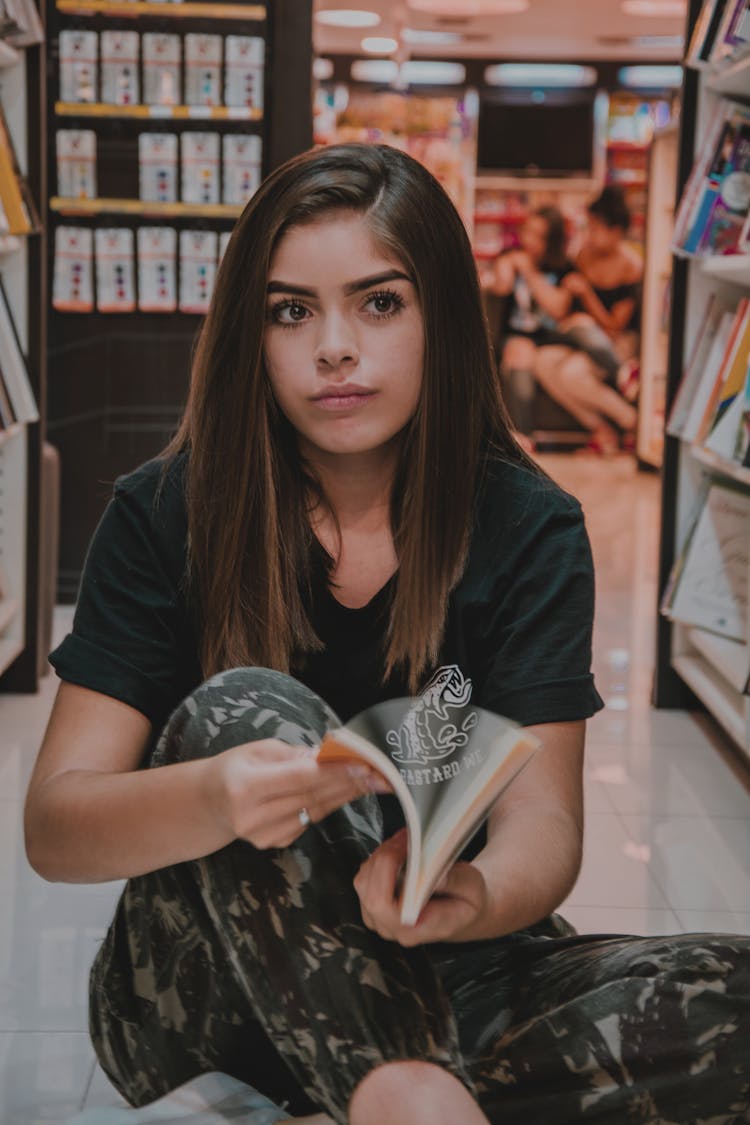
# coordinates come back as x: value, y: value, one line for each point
x: 428, y: 733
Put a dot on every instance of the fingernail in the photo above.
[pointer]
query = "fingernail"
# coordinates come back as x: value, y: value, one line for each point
x: 357, y: 771
x: 378, y: 785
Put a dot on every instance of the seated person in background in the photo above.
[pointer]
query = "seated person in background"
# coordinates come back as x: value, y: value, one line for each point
x: 584, y: 371
x: 530, y: 278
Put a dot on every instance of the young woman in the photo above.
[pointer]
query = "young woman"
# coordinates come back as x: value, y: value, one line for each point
x: 343, y: 502
x: 530, y: 278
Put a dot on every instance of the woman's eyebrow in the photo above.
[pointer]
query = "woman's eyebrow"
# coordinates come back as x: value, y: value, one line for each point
x: 349, y: 288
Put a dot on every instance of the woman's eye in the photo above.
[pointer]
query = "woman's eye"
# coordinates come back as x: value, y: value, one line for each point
x: 385, y: 304
x: 290, y: 312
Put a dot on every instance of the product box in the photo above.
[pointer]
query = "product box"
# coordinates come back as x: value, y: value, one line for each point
x: 241, y: 172
x: 79, y: 51
x: 198, y: 250
x: 200, y: 167
x: 72, y: 282
x: 119, y: 52
x: 157, y: 269
x: 203, y: 69
x: 161, y: 68
x: 243, y: 71
x: 115, y: 275
x: 157, y: 167
x: 76, y: 163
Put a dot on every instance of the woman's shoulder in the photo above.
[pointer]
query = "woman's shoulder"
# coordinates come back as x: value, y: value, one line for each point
x: 513, y: 493
x: 150, y: 501
x: 160, y: 478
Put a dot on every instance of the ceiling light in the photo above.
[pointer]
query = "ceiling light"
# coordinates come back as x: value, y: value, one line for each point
x: 347, y: 17
x: 374, y: 70
x: 469, y: 8
x: 425, y: 72
x: 322, y: 69
x: 654, y: 7
x: 430, y: 72
x: 650, y: 77
x: 377, y: 45
x: 416, y: 36
x: 540, y: 74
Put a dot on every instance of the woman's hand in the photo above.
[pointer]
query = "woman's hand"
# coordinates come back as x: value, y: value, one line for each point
x: 259, y: 788
x: 456, y: 904
x: 576, y: 284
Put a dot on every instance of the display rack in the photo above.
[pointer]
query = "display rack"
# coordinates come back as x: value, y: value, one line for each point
x: 691, y: 663
x: 21, y: 505
x: 120, y: 378
x: 657, y: 281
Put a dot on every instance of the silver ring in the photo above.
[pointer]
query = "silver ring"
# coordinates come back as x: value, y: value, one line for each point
x: 304, y: 817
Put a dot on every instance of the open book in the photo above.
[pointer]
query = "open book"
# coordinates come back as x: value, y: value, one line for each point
x: 447, y: 763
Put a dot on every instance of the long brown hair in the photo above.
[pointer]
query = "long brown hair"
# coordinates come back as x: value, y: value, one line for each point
x: 251, y: 546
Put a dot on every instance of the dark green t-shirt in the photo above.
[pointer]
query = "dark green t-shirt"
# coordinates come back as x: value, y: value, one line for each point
x: 519, y: 621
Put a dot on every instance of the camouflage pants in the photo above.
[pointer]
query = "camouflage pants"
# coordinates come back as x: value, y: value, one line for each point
x: 257, y: 963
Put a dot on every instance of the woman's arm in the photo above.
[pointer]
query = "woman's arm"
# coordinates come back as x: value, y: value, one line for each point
x: 613, y: 321
x: 93, y: 815
x: 553, y: 299
x: 527, y: 868
x: 500, y: 277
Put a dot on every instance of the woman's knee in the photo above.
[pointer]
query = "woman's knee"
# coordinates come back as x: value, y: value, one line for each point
x: 412, y: 1090
x: 239, y: 705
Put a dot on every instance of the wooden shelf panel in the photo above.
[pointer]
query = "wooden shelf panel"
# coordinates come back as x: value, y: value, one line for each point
x: 8, y: 610
x: 141, y: 207
x: 727, y: 705
x: 734, y: 268
x: 9, y: 650
x: 256, y: 12
x: 160, y: 112
x: 725, y: 468
x: 733, y: 79
x: 731, y: 659
x: 11, y: 432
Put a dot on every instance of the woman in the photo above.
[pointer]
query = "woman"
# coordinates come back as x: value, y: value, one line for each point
x: 530, y: 278
x: 343, y: 501
x: 590, y: 372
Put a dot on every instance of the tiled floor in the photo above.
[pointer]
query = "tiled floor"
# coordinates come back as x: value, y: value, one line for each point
x: 667, y: 823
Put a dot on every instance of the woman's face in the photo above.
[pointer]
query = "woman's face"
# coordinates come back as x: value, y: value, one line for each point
x: 534, y: 235
x: 601, y: 238
x: 344, y: 337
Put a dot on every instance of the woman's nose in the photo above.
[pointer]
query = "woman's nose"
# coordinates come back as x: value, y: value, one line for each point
x: 336, y: 345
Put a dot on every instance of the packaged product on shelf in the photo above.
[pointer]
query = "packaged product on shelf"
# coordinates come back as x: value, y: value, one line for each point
x: 115, y: 275
x: 243, y: 71
x: 72, y: 284
x: 157, y: 167
x: 161, y: 69
x: 119, y: 51
x: 202, y: 69
x: 198, y: 252
x: 157, y: 269
x: 241, y: 171
x: 76, y: 163
x: 78, y: 57
x: 717, y: 196
x: 200, y: 167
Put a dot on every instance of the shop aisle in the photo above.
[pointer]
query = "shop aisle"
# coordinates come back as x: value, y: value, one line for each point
x: 667, y: 844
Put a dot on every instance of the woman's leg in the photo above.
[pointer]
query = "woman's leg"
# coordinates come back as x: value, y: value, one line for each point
x: 518, y: 382
x: 208, y: 961
x: 570, y: 380
x: 654, y: 1031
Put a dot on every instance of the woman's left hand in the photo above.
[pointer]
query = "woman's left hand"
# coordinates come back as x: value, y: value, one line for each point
x: 456, y: 903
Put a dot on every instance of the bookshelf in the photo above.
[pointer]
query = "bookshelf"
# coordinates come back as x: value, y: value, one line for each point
x: 22, y: 85
x: 120, y: 379
x: 693, y: 664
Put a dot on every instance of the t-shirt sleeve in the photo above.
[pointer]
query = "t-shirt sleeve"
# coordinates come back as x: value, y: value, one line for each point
x: 129, y: 631
x: 540, y: 629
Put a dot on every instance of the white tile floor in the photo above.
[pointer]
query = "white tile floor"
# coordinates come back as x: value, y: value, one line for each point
x: 667, y: 822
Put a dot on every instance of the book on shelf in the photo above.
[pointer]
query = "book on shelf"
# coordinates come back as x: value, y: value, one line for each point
x: 15, y: 197
x: 708, y: 376
x: 695, y: 364
x: 729, y: 379
x: 13, y: 366
x: 708, y: 586
x: 733, y: 33
x: 7, y: 414
x: 447, y: 763
x: 705, y: 33
x: 716, y: 199
x: 20, y: 23
x: 741, y: 453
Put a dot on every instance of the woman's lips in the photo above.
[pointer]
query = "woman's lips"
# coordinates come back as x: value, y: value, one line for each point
x: 343, y: 399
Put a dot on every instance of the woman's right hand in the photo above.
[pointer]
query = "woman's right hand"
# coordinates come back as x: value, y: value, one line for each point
x: 259, y: 789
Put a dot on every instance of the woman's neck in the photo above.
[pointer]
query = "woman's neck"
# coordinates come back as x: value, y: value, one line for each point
x: 357, y: 487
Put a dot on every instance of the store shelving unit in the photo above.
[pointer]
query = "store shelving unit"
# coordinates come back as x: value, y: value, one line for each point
x: 693, y: 663
x: 120, y: 379
x: 22, y: 80
x: 657, y: 280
